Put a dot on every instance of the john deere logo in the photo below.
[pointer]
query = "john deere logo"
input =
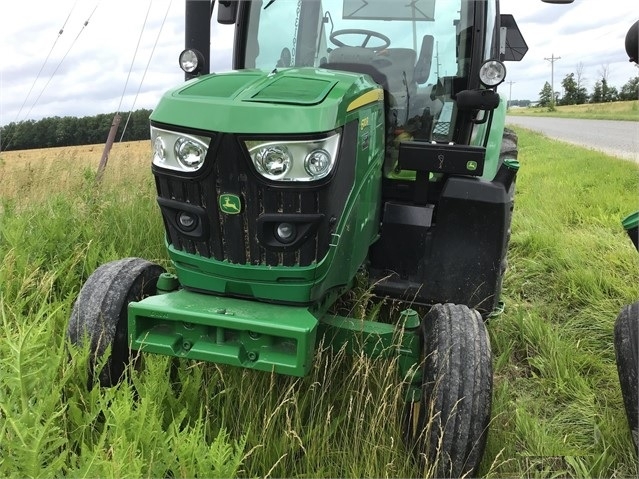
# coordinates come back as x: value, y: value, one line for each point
x: 230, y: 204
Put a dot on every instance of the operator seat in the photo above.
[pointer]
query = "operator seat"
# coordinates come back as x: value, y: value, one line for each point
x: 398, y: 64
x: 356, y: 60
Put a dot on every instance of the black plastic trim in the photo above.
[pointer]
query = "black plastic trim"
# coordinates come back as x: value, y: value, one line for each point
x: 171, y: 208
x: 306, y: 226
x: 441, y: 158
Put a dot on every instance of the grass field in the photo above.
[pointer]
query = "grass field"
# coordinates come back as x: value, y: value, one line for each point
x: 618, y: 110
x: 557, y: 409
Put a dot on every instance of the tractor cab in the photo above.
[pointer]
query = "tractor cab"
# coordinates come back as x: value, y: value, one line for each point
x: 422, y: 53
x: 395, y: 46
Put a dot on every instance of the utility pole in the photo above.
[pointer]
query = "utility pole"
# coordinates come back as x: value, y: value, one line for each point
x: 510, y: 93
x: 552, y: 61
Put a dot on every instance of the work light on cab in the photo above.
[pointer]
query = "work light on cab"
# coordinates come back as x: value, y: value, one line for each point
x: 492, y: 73
x: 191, y: 61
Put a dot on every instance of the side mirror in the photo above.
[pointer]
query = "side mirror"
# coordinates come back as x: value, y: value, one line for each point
x: 227, y: 12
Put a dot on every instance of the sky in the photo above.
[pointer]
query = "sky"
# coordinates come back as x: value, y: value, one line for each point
x: 125, y: 57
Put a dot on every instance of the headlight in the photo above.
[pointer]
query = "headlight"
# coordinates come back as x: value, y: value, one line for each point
x: 178, y: 151
x: 296, y: 160
x: 492, y: 73
x: 190, y: 153
x: 273, y: 161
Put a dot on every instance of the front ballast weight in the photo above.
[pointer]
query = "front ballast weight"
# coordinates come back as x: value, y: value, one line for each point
x: 444, y: 358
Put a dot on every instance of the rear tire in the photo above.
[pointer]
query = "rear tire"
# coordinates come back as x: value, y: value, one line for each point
x: 509, y: 150
x: 99, y: 314
x: 627, y: 353
x: 448, y: 432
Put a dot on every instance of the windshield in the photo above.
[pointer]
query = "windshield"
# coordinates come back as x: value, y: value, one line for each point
x: 418, y: 50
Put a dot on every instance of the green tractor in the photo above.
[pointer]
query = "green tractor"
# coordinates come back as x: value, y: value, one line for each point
x: 352, y: 139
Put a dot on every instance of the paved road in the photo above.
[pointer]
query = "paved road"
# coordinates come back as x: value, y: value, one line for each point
x: 616, y: 138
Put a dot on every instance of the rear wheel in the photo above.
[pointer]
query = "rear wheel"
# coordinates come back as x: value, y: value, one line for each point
x: 99, y: 314
x: 509, y: 150
x: 448, y: 429
x: 627, y: 352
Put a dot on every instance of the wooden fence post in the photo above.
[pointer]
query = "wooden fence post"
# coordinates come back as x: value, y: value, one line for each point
x: 107, y: 147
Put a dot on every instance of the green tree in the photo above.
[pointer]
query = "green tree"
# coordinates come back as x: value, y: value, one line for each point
x: 545, y: 95
x: 630, y: 91
x: 597, y: 93
x: 570, y: 90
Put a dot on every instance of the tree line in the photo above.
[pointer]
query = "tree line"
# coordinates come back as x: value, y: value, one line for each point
x: 69, y: 130
x: 576, y: 93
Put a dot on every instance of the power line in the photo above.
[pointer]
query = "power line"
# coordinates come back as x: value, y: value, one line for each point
x: 63, y: 58
x: 60, y: 32
x: 135, y: 53
x: 57, y: 67
x: 157, y: 38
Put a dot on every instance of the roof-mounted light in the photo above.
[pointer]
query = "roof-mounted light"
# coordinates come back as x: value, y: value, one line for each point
x: 492, y: 73
x: 191, y: 61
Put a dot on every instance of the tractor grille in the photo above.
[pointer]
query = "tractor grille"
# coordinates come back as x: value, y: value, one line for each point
x: 234, y: 237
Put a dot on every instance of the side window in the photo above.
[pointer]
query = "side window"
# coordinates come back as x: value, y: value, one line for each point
x: 492, y: 36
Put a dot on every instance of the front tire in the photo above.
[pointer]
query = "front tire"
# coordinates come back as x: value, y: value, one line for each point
x: 99, y: 314
x: 448, y: 432
x: 627, y: 355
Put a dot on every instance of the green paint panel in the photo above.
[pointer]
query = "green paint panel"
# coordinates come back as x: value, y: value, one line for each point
x: 237, y: 332
x: 274, y: 283
x: 260, y: 102
x: 295, y: 90
x: 379, y: 340
x: 221, y: 86
x: 493, y: 147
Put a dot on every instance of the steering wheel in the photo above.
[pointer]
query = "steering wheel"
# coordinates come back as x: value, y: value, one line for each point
x: 356, y: 31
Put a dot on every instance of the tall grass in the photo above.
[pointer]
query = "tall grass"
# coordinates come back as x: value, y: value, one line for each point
x: 557, y: 405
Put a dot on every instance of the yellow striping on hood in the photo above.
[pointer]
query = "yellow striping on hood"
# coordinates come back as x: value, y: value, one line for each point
x: 366, y: 98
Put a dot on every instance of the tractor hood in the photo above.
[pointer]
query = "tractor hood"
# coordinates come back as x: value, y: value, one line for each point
x: 298, y: 100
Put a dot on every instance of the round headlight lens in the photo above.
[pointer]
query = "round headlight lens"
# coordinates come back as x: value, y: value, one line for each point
x: 285, y: 232
x: 492, y: 73
x: 273, y: 161
x: 317, y: 163
x: 159, y: 150
x: 189, y: 153
x: 190, y: 61
x: 187, y: 221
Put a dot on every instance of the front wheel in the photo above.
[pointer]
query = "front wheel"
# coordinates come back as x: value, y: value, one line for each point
x: 448, y: 430
x: 99, y: 314
x: 627, y: 355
